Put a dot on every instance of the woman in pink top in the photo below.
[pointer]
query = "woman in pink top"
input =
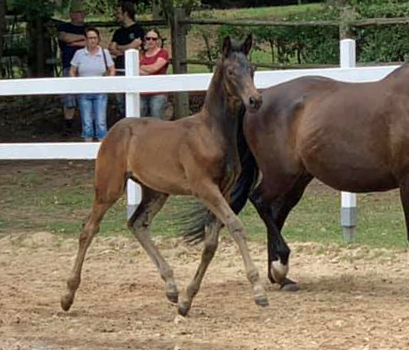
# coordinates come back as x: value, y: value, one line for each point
x: 155, y: 60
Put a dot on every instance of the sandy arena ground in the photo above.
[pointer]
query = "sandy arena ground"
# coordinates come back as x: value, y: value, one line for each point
x: 352, y: 299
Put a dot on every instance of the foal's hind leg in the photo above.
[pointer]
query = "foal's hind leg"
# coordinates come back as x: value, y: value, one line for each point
x: 109, y: 185
x: 89, y: 230
x: 210, y: 246
x: 152, y: 202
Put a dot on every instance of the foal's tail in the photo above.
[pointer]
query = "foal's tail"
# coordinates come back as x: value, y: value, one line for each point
x: 195, y: 221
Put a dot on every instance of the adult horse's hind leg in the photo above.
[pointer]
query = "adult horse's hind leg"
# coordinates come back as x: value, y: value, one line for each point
x: 274, y: 213
x: 404, y: 197
x: 210, y: 246
x: 139, y: 223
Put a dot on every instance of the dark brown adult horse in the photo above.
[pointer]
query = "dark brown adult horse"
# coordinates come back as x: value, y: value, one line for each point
x: 192, y: 156
x: 351, y: 136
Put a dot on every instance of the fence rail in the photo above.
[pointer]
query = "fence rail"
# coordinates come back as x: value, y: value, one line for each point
x: 274, y: 23
x: 133, y: 85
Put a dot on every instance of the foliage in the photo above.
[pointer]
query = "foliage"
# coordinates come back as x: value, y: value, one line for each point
x: 168, y: 6
x: 289, y: 45
x: 320, y: 44
x: 33, y: 9
x: 253, y: 3
x: 386, y: 44
x: 382, y: 43
x: 100, y: 7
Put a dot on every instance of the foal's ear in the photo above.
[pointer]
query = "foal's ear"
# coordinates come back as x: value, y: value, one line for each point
x: 226, y: 49
x: 246, y: 46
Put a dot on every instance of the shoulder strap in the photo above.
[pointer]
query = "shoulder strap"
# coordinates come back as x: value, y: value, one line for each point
x: 105, y: 58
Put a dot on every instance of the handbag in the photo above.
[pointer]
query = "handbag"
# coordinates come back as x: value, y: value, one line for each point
x: 106, y: 73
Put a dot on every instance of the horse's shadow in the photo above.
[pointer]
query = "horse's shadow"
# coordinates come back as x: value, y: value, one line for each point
x: 369, y: 284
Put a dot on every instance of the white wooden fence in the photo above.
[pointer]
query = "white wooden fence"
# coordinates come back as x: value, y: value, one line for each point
x: 133, y: 84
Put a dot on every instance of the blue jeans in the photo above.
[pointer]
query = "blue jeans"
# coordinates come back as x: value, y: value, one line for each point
x: 120, y: 99
x: 153, y: 105
x: 68, y: 101
x: 93, y: 108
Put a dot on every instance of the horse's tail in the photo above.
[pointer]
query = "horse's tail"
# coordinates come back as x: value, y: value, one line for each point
x: 246, y: 182
x: 195, y: 221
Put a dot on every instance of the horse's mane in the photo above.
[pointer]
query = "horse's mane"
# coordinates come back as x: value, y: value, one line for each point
x: 195, y: 217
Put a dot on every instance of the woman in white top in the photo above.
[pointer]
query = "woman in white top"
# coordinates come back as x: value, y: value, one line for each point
x: 92, y: 61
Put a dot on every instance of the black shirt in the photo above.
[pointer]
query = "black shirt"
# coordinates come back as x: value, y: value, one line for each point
x: 68, y: 51
x: 124, y: 36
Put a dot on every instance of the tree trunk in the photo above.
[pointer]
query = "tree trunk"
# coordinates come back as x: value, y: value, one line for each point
x: 156, y: 10
x: 3, y: 10
x: 348, y: 14
x: 39, y: 48
x: 179, y: 58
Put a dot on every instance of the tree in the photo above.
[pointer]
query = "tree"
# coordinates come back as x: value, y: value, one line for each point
x: 37, y: 13
x: 169, y: 6
x: 3, y: 10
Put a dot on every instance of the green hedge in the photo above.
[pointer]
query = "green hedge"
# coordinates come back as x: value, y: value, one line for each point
x: 320, y: 45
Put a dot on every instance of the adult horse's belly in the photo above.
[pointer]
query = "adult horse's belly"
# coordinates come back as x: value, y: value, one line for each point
x: 346, y: 160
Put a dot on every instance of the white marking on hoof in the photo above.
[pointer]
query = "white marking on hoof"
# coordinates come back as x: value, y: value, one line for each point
x: 179, y: 319
x: 279, y: 271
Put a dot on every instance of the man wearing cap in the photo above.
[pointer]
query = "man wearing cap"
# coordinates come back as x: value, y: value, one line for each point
x: 71, y: 37
x: 129, y: 36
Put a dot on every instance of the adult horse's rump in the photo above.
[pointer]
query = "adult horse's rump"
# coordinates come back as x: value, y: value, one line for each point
x: 351, y: 136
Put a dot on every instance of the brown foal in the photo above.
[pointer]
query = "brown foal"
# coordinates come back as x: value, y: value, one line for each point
x: 191, y: 156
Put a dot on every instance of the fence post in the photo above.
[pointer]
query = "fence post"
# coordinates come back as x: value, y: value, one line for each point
x: 132, y: 103
x: 348, y: 200
x: 347, y: 15
x: 179, y: 59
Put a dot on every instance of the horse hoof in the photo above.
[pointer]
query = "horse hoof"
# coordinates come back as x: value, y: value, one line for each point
x: 261, y: 300
x: 183, y: 309
x: 289, y: 286
x: 279, y: 271
x: 66, y: 302
x: 172, y: 296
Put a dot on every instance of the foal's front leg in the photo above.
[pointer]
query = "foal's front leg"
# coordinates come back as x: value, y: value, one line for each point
x: 139, y: 224
x: 214, y: 200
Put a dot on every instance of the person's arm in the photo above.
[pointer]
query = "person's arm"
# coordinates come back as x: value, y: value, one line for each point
x: 72, y: 39
x: 113, y: 49
x: 111, y: 70
x: 74, y: 64
x: 73, y: 71
x: 135, y: 44
x: 153, y: 68
x: 110, y: 64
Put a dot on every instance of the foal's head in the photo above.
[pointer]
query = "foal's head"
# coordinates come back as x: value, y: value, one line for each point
x: 238, y: 73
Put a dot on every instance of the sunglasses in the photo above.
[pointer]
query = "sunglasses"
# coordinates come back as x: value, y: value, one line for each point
x: 148, y: 38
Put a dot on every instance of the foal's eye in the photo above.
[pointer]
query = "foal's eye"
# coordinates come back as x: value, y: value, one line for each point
x: 230, y: 71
